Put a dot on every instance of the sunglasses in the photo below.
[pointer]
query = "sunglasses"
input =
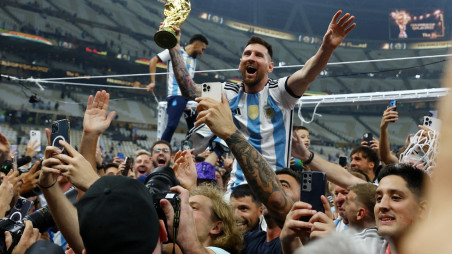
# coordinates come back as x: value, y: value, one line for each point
x: 158, y: 150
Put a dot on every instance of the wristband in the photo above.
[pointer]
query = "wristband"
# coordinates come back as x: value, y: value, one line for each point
x: 46, y: 187
x: 311, y: 157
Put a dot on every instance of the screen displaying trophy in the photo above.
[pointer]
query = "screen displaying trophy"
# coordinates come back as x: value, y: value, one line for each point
x: 176, y: 12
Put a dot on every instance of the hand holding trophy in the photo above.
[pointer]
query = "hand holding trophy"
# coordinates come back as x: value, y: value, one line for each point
x: 176, y: 12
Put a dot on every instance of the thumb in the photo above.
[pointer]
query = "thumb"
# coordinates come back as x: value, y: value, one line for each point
x: 8, y: 239
x: 224, y: 100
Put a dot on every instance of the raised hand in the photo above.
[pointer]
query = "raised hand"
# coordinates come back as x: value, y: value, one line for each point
x: 30, y: 179
x: 96, y: 119
x: 338, y: 30
x: 185, y: 169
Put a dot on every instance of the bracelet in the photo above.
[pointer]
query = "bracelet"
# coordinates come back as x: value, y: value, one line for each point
x: 311, y: 157
x: 46, y: 187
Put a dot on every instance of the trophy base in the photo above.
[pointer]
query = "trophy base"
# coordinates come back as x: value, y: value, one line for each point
x: 165, y: 38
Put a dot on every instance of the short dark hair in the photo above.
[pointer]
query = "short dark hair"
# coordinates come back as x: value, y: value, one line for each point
x: 111, y: 165
x: 259, y: 40
x: 296, y: 128
x: 244, y: 190
x: 291, y: 172
x: 198, y: 37
x: 161, y: 142
x: 368, y: 154
x: 413, y: 177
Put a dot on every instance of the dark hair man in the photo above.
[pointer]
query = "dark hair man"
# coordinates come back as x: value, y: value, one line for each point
x: 263, y: 108
x: 176, y: 104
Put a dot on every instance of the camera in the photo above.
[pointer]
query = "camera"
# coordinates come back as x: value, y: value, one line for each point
x: 42, y: 219
x: 159, y: 183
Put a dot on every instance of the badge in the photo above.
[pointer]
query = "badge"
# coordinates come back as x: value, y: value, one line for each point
x: 269, y: 111
x: 253, y: 112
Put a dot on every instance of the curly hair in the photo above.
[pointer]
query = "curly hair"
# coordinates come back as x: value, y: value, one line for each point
x: 230, y: 238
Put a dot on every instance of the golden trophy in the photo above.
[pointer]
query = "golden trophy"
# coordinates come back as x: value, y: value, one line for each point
x: 176, y: 12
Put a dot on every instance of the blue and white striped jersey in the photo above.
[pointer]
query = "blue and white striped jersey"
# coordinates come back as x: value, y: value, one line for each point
x: 265, y: 119
x: 190, y: 62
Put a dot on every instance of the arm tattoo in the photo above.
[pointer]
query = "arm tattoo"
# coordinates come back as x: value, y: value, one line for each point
x: 261, y: 177
x: 187, y: 87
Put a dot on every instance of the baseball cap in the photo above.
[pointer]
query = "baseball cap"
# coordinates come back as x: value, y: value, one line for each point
x: 117, y: 215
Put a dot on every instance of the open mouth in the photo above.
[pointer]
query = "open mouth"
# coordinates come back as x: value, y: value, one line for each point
x: 251, y: 69
x: 161, y: 161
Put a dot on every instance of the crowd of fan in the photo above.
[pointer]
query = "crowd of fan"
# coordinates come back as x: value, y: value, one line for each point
x: 169, y: 201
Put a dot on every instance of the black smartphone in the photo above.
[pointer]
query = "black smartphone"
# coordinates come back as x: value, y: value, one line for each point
x: 313, y: 186
x: 368, y: 137
x: 128, y: 161
x: 20, y: 209
x: 343, y: 161
x: 393, y: 103
x: 60, y: 131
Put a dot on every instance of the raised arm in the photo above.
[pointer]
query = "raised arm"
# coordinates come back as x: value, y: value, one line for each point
x: 258, y: 173
x: 152, y: 69
x: 188, y: 87
x: 95, y: 122
x: 63, y: 212
x: 335, y: 173
x: 336, y: 33
x: 389, y: 116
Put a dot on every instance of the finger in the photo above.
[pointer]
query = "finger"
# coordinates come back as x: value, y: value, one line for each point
x: 336, y: 16
x: 343, y: 19
x: 111, y: 116
x: 169, y: 214
x: 71, y: 151
x: 8, y: 239
x: 50, y: 162
x: 89, y: 104
x: 34, y: 168
x: 47, y: 130
x: 47, y: 170
x: 326, y: 206
x: 106, y: 100
x: 51, y: 151
x: 349, y: 21
x: 350, y: 28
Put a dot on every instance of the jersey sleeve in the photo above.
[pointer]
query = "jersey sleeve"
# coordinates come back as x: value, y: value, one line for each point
x: 282, y: 95
x: 164, y: 56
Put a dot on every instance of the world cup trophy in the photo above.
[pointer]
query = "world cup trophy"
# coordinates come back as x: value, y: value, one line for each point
x: 176, y: 12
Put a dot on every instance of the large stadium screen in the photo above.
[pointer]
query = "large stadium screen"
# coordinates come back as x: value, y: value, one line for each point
x: 407, y: 24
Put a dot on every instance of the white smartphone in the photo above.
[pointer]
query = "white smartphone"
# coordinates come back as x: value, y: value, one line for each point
x: 432, y: 123
x: 36, y: 135
x: 212, y: 90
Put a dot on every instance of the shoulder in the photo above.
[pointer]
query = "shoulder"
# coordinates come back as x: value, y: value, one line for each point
x: 217, y: 250
x: 272, y: 83
x: 232, y: 87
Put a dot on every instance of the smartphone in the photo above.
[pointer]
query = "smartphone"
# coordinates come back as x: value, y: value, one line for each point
x: 343, y: 161
x: 120, y: 156
x: 432, y: 123
x: 313, y: 186
x: 128, y: 161
x: 368, y: 137
x: 212, y: 90
x: 20, y: 209
x: 393, y: 103
x: 36, y: 135
x: 60, y: 131
x: 186, y: 145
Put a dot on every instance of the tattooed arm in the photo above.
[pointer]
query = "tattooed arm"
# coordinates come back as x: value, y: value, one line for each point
x: 188, y: 88
x: 260, y: 176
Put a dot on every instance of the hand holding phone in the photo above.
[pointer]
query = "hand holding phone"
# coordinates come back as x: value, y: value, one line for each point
x: 60, y: 131
x: 212, y: 90
x: 393, y: 103
x: 313, y: 186
x: 368, y: 136
x: 128, y: 165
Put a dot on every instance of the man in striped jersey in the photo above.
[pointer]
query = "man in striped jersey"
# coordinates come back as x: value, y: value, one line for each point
x: 263, y: 108
x: 176, y: 104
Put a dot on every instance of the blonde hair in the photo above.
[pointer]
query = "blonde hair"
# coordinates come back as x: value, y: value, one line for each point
x: 230, y: 238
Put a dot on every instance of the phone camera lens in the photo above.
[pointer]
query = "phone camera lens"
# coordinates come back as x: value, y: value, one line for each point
x: 54, y: 128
